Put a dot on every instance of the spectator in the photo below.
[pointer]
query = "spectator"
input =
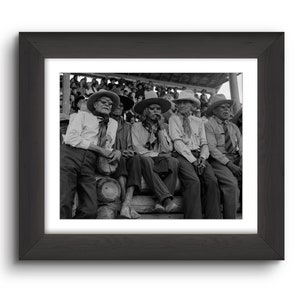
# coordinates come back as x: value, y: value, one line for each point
x: 88, y: 135
x: 128, y: 172
x: 188, y: 134
x: 150, y: 139
x: 140, y: 92
x: 89, y: 90
x: 74, y: 81
x: 82, y: 86
x: 225, y: 146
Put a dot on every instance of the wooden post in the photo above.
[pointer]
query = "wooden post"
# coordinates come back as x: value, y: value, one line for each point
x: 66, y: 94
x: 234, y: 92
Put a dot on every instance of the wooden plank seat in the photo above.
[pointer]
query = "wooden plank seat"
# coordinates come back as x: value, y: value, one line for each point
x: 143, y: 202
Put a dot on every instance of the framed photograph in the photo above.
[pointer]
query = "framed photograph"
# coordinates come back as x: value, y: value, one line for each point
x: 173, y: 192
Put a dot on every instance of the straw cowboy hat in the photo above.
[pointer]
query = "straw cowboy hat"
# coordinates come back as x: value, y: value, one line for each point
x: 151, y: 98
x: 187, y: 95
x: 215, y: 101
x: 103, y: 93
x: 127, y: 102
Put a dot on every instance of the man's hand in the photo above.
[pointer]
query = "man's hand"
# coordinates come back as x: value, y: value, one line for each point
x: 199, y: 165
x: 236, y: 170
x: 164, y: 154
x: 115, y: 156
x: 160, y: 122
x: 128, y: 153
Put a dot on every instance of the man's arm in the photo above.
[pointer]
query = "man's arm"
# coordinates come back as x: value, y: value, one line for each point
x: 203, y: 143
x: 73, y: 134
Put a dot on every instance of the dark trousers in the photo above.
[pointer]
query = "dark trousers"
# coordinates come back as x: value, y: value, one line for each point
x: 77, y: 173
x: 162, y: 188
x: 191, y: 185
x: 130, y: 168
x: 229, y: 189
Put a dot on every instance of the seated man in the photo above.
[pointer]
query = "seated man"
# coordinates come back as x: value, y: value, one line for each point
x: 225, y: 146
x: 128, y: 172
x: 188, y: 134
x: 89, y: 134
x: 150, y: 139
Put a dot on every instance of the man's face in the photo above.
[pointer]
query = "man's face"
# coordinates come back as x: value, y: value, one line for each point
x: 222, y: 111
x: 154, y: 112
x: 184, y: 107
x: 103, y: 105
x: 119, y: 110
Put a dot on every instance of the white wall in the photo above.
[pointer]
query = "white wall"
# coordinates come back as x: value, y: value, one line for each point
x: 127, y: 280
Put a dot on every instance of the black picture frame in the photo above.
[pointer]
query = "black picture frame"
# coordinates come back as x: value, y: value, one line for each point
x: 266, y: 47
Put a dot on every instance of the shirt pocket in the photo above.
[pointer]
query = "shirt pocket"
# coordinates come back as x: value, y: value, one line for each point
x: 220, y: 138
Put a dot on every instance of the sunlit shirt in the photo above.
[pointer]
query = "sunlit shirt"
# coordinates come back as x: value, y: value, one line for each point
x: 184, y: 144
x: 216, y: 139
x: 140, y: 137
x: 83, y: 130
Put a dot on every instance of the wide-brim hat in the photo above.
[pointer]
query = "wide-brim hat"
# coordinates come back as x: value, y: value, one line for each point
x: 187, y: 95
x: 151, y: 98
x: 215, y: 101
x: 103, y: 93
x: 127, y: 102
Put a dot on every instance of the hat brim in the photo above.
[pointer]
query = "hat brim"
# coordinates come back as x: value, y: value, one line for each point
x: 93, y: 98
x: 127, y: 102
x: 195, y: 101
x: 164, y: 104
x: 216, y: 104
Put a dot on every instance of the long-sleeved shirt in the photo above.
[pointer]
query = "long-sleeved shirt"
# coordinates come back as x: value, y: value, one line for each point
x: 123, y: 138
x: 184, y: 144
x: 83, y: 130
x: 216, y: 139
x: 140, y: 137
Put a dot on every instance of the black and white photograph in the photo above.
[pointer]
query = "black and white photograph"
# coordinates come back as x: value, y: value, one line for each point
x: 151, y: 145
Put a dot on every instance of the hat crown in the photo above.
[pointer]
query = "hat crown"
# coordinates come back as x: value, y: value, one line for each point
x: 116, y: 91
x: 216, y: 98
x: 150, y: 95
x: 186, y: 94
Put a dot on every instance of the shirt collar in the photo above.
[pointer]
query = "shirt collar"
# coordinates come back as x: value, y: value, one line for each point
x: 220, y: 121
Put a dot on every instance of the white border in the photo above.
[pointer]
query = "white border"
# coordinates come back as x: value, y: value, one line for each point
x: 248, y: 225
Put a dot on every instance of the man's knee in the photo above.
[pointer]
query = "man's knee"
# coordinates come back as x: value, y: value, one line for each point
x: 173, y: 163
x: 147, y: 161
x: 232, y: 184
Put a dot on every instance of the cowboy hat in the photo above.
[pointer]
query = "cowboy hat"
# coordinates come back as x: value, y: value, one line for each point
x: 127, y: 102
x: 151, y: 98
x: 103, y: 93
x: 215, y: 101
x: 187, y: 95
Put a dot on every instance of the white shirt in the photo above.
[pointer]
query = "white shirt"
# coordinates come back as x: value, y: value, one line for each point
x: 182, y: 143
x: 83, y: 130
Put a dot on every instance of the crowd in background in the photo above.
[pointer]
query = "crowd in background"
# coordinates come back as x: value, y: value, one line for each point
x: 135, y: 90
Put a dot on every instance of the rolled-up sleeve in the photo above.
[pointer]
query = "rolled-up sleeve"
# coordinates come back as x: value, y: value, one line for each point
x: 203, y: 142
x: 73, y: 134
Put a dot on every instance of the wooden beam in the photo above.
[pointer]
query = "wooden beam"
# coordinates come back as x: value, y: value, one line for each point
x: 234, y: 92
x: 66, y: 94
